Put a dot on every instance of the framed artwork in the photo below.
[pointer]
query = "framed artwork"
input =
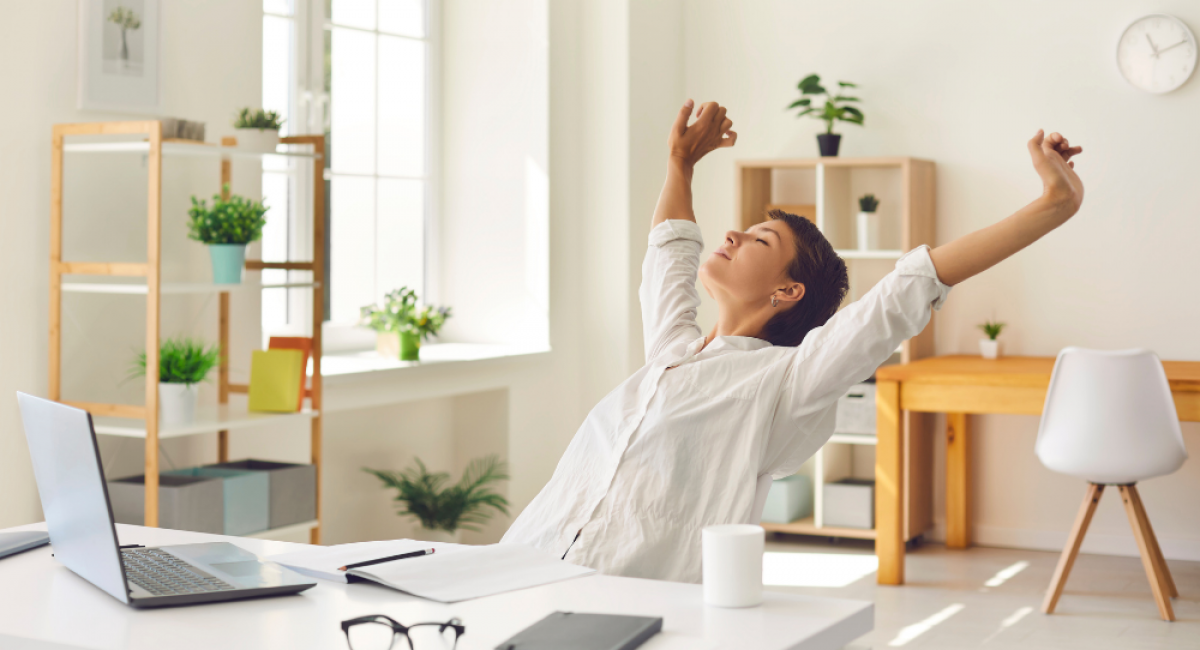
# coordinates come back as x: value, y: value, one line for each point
x: 119, y: 56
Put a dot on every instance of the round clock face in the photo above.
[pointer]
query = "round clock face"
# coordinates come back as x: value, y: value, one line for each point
x: 1157, y: 53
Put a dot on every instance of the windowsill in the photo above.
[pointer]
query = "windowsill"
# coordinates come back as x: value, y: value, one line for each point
x: 349, y: 366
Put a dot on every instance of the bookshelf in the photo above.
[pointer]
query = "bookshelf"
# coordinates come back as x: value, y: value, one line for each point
x: 825, y: 191
x: 144, y: 278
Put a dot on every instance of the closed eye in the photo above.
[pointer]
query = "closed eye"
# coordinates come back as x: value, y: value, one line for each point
x: 763, y: 242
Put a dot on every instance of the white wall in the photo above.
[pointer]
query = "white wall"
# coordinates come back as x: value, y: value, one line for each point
x: 966, y: 85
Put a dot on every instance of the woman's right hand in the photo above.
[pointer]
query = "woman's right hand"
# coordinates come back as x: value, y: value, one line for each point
x: 688, y: 144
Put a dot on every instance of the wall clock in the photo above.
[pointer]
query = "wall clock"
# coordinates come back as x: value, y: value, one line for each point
x: 1156, y: 53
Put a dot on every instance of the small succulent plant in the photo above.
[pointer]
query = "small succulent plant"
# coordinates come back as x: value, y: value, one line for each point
x: 249, y: 118
x: 868, y: 203
x: 992, y: 329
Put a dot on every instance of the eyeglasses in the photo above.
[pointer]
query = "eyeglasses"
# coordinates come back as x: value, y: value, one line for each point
x: 379, y: 632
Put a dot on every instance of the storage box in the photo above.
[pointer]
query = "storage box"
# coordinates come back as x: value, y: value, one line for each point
x: 789, y: 499
x: 856, y: 410
x: 193, y: 503
x: 291, y: 491
x: 245, y: 497
x: 849, y: 503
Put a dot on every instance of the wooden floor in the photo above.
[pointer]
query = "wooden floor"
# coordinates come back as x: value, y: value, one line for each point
x: 945, y: 605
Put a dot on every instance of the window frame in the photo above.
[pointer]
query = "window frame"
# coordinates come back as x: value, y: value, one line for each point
x: 312, y: 103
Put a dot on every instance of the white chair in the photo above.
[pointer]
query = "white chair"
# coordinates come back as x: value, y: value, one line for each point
x: 1109, y: 419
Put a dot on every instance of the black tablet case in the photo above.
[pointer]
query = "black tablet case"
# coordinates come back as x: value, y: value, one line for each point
x: 585, y: 632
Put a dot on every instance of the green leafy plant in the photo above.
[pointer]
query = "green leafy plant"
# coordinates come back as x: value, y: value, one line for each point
x: 181, y: 361
x: 400, y: 312
x: 257, y: 118
x: 868, y: 203
x: 836, y: 106
x: 466, y: 504
x: 236, y: 220
x: 128, y: 21
x: 992, y: 329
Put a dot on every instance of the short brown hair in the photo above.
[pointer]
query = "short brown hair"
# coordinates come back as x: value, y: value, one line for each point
x: 817, y: 266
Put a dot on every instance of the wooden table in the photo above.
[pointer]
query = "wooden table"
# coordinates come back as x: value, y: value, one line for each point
x: 958, y: 386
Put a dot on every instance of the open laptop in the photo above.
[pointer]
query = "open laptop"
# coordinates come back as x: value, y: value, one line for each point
x: 70, y: 480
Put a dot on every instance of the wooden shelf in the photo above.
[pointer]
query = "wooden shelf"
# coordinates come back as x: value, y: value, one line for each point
x: 855, y: 254
x: 284, y: 531
x: 177, y: 148
x: 139, y: 288
x: 854, y: 438
x: 208, y: 420
x: 806, y: 526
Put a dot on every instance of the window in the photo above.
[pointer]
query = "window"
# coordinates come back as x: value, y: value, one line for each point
x: 369, y: 91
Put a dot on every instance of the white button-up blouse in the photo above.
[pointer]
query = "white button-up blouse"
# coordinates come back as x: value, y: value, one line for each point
x: 683, y: 443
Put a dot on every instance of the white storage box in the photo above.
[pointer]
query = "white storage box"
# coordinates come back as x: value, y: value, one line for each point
x: 789, y: 499
x: 849, y: 503
x: 856, y: 410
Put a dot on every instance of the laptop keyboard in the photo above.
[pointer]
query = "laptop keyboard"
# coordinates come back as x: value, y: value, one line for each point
x: 163, y: 574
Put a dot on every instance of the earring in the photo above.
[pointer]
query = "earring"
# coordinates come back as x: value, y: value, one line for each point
x: 774, y: 301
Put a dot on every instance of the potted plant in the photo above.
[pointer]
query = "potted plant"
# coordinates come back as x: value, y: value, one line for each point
x: 445, y: 510
x: 989, y: 348
x: 258, y: 130
x: 182, y: 364
x: 835, y: 108
x: 868, y: 223
x: 227, y: 228
x: 401, y: 324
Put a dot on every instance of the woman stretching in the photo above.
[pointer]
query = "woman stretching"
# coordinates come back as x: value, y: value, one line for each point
x: 689, y: 440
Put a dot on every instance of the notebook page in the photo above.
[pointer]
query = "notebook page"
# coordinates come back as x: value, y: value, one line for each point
x: 472, y: 572
x: 323, y: 561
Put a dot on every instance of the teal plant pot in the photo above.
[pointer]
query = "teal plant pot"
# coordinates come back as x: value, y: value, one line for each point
x: 228, y: 262
x: 410, y: 347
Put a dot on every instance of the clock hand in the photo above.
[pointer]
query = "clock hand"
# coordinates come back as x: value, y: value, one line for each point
x: 1152, y: 45
x: 1171, y: 47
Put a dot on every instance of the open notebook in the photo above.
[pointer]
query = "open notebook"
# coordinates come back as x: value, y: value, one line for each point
x: 454, y: 572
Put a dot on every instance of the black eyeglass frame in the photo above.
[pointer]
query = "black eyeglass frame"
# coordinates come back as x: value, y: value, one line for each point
x: 402, y: 629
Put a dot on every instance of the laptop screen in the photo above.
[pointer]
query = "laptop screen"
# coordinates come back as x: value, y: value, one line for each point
x: 70, y: 480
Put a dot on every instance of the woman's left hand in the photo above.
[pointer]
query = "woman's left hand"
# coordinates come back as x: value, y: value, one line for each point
x: 711, y: 130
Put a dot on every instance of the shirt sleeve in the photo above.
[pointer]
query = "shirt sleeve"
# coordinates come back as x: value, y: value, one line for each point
x: 668, y: 293
x: 846, y: 351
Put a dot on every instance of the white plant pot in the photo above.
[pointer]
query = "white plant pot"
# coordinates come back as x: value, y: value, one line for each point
x: 263, y: 140
x: 426, y: 535
x: 868, y: 231
x: 177, y: 403
x: 989, y: 348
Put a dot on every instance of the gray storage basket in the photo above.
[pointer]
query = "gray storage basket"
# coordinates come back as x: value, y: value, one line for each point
x: 193, y: 503
x: 246, y: 500
x: 292, y: 491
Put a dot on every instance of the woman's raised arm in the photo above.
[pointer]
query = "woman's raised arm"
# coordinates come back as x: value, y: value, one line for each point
x: 688, y: 144
x: 1062, y: 194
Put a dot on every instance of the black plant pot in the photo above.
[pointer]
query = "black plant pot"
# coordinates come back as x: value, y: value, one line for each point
x: 828, y: 142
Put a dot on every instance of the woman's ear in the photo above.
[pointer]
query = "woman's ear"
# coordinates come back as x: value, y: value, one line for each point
x: 790, y: 292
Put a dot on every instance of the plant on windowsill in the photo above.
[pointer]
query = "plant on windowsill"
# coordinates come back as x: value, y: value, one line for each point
x: 836, y: 108
x: 182, y: 364
x: 227, y: 228
x: 258, y: 130
x: 868, y: 223
x: 401, y: 324
x: 441, y: 510
x: 989, y: 348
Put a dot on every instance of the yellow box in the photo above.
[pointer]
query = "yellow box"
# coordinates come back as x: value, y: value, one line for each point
x: 275, y: 380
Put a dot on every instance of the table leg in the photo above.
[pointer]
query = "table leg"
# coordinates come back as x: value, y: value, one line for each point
x: 958, y: 508
x: 889, y: 484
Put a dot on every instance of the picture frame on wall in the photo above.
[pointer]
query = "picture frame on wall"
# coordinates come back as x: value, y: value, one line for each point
x: 119, y: 56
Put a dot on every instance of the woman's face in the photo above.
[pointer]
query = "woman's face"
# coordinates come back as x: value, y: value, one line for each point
x: 751, y: 266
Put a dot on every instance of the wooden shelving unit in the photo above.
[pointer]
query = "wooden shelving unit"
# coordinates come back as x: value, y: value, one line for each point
x: 144, y: 278
x: 825, y: 191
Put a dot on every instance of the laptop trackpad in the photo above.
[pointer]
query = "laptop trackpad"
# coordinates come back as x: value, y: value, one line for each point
x: 239, y: 569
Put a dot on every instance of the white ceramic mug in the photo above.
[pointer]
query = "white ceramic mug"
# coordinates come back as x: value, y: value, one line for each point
x: 732, y: 559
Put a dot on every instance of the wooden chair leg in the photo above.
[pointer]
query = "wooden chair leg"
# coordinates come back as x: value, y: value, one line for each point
x: 1142, y: 533
x: 1067, y: 560
x: 1153, y: 539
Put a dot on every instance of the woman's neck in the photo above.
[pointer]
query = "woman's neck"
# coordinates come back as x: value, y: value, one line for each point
x: 733, y: 322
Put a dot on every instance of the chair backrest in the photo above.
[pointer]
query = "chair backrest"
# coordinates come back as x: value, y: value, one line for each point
x: 1109, y: 417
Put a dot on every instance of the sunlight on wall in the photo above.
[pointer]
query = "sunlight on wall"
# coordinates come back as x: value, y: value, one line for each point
x: 816, y: 569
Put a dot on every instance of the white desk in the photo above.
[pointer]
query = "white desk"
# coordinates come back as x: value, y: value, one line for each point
x: 44, y: 605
